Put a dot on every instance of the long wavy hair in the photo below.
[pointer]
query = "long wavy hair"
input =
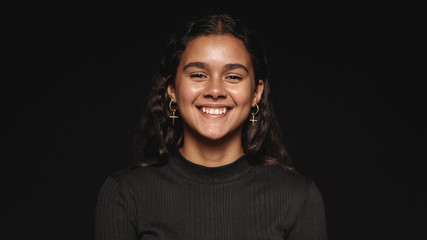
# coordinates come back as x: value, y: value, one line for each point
x: 156, y: 138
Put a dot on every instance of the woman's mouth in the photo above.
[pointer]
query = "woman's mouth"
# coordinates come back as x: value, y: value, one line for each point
x: 214, y: 111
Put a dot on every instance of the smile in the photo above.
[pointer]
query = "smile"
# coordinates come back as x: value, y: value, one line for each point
x: 214, y: 111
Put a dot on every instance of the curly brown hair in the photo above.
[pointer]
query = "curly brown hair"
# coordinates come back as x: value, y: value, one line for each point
x: 155, y: 138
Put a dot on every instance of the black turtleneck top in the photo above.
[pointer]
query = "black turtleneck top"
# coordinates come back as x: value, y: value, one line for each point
x: 183, y: 200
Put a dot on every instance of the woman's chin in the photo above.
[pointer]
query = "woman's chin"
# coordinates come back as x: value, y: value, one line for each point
x: 213, y: 136
x: 212, y: 133
x: 217, y: 134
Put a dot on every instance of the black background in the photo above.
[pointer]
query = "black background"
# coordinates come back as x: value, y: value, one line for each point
x: 347, y: 87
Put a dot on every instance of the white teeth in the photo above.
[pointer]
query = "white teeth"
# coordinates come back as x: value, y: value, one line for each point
x: 214, y: 111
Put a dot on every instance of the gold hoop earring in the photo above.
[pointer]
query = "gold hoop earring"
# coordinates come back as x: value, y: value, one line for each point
x: 253, y: 120
x: 173, y: 112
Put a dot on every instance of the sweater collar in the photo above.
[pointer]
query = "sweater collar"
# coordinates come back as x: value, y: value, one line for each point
x: 209, y: 175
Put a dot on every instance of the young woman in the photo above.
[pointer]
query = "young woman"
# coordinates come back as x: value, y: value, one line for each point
x: 211, y: 164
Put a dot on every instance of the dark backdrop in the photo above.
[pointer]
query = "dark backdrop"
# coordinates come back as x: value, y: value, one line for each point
x: 346, y: 79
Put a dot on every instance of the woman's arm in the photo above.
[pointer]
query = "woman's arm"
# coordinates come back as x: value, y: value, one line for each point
x: 115, y: 215
x: 311, y: 221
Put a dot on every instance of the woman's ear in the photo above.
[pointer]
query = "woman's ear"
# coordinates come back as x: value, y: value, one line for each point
x: 259, y: 89
x: 171, y: 92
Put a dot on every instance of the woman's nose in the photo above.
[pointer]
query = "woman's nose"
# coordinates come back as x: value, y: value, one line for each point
x: 215, y: 88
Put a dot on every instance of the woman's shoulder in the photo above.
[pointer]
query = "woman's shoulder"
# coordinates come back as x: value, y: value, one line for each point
x: 286, y: 177
x: 295, y: 185
x: 134, y: 174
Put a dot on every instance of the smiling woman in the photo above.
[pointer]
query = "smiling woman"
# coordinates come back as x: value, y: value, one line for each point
x: 210, y: 163
x: 215, y: 88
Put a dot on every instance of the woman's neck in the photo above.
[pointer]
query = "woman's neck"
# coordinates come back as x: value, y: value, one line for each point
x: 211, y: 153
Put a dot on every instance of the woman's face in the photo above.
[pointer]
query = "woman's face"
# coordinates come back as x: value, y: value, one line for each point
x: 215, y: 87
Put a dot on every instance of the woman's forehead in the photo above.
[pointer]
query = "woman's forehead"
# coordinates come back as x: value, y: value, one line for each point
x: 216, y: 49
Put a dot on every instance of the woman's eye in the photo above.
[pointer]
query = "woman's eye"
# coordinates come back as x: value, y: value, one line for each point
x: 234, y: 77
x: 197, y: 75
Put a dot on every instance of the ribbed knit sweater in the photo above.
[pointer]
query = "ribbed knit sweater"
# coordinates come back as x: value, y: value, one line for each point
x: 183, y: 200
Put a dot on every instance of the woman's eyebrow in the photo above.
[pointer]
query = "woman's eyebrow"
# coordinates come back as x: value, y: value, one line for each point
x: 204, y: 66
x: 235, y: 65
x: 196, y: 64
